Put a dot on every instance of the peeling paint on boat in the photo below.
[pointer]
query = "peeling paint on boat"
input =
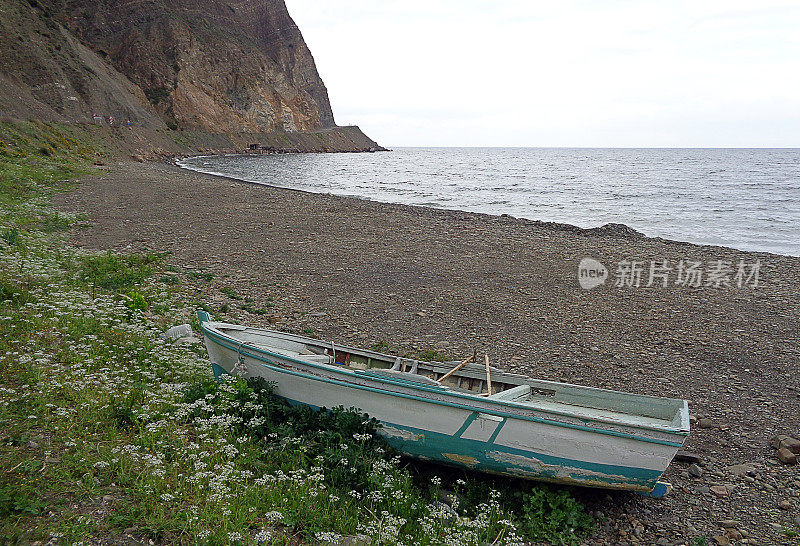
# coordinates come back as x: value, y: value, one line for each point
x: 461, y: 459
x: 394, y: 432
x: 542, y: 440
x: 534, y: 466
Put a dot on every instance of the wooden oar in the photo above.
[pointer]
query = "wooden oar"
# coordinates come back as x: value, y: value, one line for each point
x: 488, y: 377
x: 454, y: 370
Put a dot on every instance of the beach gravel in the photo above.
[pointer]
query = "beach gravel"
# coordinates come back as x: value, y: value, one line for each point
x: 416, y: 279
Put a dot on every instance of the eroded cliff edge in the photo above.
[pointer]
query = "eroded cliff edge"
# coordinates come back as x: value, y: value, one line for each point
x: 208, y: 67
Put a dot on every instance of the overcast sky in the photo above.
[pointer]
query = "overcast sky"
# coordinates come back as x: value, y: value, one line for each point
x: 568, y: 73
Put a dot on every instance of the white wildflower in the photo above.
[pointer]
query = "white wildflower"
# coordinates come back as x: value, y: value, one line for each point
x: 262, y: 536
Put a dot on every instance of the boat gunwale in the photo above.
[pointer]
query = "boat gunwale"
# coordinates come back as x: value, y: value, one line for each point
x: 238, y: 345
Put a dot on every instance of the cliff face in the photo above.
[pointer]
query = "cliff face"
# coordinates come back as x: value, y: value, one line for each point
x: 236, y: 66
x: 46, y: 73
x: 227, y: 74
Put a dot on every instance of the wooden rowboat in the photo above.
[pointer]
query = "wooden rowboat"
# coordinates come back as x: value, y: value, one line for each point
x: 468, y: 414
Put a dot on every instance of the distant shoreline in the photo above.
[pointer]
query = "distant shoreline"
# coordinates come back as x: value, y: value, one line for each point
x: 617, y: 228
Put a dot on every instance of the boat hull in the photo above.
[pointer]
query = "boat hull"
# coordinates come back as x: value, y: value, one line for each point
x: 454, y: 433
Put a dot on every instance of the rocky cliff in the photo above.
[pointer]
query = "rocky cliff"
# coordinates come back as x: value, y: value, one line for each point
x: 46, y: 73
x: 212, y: 66
x: 221, y: 66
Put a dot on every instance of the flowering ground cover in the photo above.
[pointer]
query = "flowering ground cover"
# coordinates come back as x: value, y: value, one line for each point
x: 108, y: 431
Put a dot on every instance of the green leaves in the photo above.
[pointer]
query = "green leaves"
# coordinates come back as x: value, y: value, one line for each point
x: 14, y: 500
x: 14, y: 292
x: 344, y: 446
x: 135, y: 301
x: 11, y: 236
x: 554, y: 516
x: 328, y: 436
x: 115, y: 272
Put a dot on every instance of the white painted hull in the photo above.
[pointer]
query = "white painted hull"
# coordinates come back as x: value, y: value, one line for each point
x: 476, y: 433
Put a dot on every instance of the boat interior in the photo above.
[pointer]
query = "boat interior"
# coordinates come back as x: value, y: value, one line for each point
x: 475, y: 377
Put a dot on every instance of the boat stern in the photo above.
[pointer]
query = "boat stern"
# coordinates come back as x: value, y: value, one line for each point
x: 684, y: 418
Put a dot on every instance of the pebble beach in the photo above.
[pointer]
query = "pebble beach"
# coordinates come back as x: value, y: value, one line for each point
x: 417, y: 280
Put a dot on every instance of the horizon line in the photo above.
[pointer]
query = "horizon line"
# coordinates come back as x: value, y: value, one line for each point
x: 600, y: 147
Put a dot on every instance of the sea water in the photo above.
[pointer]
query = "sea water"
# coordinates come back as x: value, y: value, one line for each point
x: 742, y: 198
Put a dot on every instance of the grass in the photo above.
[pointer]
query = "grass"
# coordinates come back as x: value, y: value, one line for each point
x: 107, y: 429
x: 10, y: 236
x: 381, y: 347
x: 115, y: 272
x: 169, y: 279
x: 255, y: 310
x: 431, y: 355
x: 201, y: 275
x: 230, y: 292
x: 38, y: 158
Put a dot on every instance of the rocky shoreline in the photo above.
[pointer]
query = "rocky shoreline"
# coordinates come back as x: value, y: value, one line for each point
x: 418, y: 280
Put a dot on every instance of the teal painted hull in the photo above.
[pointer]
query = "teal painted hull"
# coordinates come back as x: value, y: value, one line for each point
x: 451, y: 429
x: 457, y: 451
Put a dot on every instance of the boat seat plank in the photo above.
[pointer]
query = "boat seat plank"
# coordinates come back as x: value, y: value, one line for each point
x: 514, y: 393
x: 319, y: 359
x: 313, y: 357
x: 405, y: 376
